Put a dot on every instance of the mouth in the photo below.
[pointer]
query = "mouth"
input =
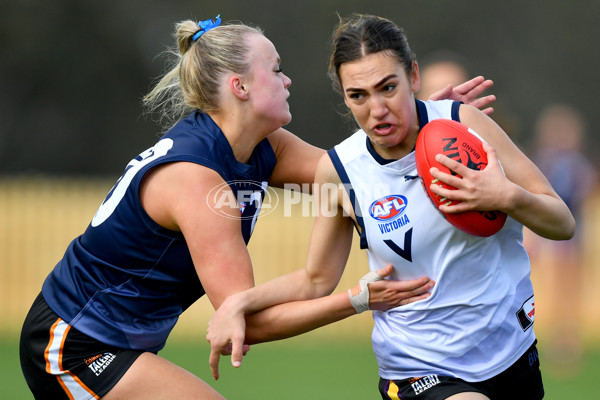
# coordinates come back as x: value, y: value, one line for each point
x: 383, y: 128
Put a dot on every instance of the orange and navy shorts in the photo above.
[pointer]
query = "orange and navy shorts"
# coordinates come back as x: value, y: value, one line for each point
x: 59, y: 362
x: 521, y: 381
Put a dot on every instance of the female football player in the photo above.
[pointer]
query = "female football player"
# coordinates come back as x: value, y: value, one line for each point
x: 473, y: 337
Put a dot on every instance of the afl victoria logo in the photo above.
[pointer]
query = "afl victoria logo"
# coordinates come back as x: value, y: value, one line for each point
x: 388, y: 208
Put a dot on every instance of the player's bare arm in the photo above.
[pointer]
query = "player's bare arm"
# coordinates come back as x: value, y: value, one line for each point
x: 228, y: 330
x: 170, y: 196
x: 296, y: 160
x: 510, y: 183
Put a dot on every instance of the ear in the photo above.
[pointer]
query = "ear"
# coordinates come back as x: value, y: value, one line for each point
x: 415, y: 79
x: 236, y: 85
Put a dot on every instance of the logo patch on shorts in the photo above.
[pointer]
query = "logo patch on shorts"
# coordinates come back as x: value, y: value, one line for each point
x: 423, y: 383
x: 98, y: 363
x: 526, y: 315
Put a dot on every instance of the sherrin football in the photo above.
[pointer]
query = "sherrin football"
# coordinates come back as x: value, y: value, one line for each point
x: 462, y: 144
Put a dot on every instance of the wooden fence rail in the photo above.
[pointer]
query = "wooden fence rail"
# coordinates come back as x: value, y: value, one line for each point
x: 39, y: 216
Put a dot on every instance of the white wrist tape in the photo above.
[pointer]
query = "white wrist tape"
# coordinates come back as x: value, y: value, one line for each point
x: 360, y: 302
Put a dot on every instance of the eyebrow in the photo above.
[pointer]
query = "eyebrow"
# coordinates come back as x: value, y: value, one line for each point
x: 378, y: 84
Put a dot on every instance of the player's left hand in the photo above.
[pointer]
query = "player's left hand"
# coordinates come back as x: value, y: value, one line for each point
x: 387, y: 294
x: 468, y: 93
x: 475, y: 190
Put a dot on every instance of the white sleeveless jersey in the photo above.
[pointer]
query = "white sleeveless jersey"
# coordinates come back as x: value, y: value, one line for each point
x: 478, y: 320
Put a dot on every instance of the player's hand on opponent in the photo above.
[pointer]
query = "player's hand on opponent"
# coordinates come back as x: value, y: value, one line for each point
x: 484, y: 190
x: 376, y: 293
x: 468, y: 93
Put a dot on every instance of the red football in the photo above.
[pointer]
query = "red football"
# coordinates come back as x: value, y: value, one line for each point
x: 458, y: 142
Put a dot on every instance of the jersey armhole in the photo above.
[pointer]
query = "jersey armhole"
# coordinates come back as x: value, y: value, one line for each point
x: 339, y: 167
x: 454, y: 111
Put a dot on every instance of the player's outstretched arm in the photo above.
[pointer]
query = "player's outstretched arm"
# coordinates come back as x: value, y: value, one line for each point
x: 229, y: 331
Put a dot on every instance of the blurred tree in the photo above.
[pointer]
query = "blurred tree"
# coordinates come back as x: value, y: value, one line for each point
x: 72, y: 72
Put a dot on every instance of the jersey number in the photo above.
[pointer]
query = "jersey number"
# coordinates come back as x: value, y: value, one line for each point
x: 117, y: 193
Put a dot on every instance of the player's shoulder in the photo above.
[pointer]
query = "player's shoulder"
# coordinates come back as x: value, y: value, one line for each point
x: 469, y: 113
x: 326, y: 172
x: 485, y: 126
x: 282, y: 139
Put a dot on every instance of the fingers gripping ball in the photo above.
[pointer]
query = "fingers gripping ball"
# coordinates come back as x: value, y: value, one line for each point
x: 360, y: 301
x: 460, y: 143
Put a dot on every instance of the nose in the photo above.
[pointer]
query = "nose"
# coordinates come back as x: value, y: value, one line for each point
x: 287, y: 82
x: 378, y: 107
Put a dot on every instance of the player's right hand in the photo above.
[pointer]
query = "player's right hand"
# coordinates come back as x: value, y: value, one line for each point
x: 226, y: 333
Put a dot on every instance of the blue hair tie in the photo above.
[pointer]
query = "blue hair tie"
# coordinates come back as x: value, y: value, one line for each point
x: 206, y: 26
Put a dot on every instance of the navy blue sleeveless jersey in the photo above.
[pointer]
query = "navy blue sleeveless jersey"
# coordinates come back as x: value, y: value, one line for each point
x: 126, y: 280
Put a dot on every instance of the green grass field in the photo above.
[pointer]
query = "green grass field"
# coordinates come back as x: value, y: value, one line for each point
x: 302, y: 369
